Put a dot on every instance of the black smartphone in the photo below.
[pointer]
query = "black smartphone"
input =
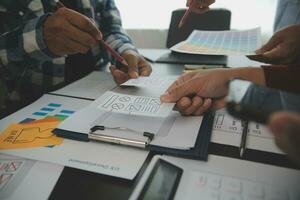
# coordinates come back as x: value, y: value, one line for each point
x: 252, y: 102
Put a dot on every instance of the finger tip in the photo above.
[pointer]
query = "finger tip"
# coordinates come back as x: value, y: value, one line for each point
x: 165, y: 98
x: 258, y: 51
x: 134, y: 75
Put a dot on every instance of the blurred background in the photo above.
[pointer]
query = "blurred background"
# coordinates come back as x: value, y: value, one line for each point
x: 150, y: 19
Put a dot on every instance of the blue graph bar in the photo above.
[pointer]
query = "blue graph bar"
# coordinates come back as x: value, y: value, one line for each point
x: 48, y: 109
x: 40, y: 113
x: 67, y: 111
x: 56, y: 105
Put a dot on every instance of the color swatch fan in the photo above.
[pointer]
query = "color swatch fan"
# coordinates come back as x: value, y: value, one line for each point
x: 221, y: 42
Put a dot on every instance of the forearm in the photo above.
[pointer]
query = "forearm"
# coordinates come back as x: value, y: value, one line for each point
x: 277, y: 77
x: 25, y: 41
x: 119, y: 40
x: 112, y: 30
x: 253, y: 74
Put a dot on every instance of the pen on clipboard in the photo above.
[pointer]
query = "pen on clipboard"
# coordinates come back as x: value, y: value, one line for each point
x: 104, y: 44
x: 244, y: 137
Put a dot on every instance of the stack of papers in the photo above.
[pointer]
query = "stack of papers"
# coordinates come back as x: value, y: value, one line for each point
x: 129, y: 111
x: 96, y: 157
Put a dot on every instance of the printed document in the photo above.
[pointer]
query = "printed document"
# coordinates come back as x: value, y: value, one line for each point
x: 233, y: 42
x: 113, y: 160
x: 134, y: 105
x: 228, y: 130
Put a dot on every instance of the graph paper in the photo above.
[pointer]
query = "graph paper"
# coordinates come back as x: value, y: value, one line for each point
x: 243, y: 42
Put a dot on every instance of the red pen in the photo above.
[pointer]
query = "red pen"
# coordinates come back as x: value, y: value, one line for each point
x: 114, y: 53
x: 105, y: 45
x: 185, y: 16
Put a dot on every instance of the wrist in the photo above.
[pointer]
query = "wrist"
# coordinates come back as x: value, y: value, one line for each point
x: 35, y: 45
x: 252, y: 74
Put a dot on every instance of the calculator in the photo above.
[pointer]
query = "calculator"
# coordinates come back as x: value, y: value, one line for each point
x: 165, y: 180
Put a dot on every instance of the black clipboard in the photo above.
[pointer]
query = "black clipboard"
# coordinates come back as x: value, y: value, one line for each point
x: 168, y: 56
x: 199, y: 151
x: 184, y: 58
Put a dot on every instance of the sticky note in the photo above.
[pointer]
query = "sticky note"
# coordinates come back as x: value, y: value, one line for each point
x: 28, y: 135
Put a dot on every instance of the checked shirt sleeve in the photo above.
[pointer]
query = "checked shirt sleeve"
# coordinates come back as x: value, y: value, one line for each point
x: 111, y: 27
x: 26, y: 41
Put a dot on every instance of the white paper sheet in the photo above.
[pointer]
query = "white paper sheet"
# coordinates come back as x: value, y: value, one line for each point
x: 134, y: 105
x: 181, y: 131
x: 145, y: 89
x: 174, y: 131
x: 35, y: 176
x: 228, y: 130
x: 97, y: 157
x: 243, y: 42
x: 91, y: 86
x: 152, y: 81
x: 218, y: 166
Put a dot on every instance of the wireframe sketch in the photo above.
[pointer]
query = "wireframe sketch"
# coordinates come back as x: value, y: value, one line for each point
x: 138, y: 105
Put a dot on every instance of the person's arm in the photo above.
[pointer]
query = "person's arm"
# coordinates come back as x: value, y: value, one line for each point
x: 282, y: 48
x: 111, y: 28
x: 44, y: 38
x: 199, y: 6
x: 115, y: 36
x: 283, y: 77
x: 26, y: 41
x: 196, y: 92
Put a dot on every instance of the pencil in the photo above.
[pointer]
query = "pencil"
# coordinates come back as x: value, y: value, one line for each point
x: 185, y: 16
x: 104, y: 44
x: 244, y: 137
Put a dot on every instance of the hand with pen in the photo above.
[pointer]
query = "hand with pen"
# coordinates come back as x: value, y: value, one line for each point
x: 68, y: 32
x: 199, y: 6
x: 137, y: 66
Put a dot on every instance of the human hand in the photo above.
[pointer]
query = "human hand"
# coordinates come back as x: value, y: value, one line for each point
x: 193, y: 105
x: 199, y: 6
x: 286, y: 128
x: 69, y: 32
x: 193, y: 92
x: 282, y: 48
x: 196, y: 92
x: 137, y: 66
